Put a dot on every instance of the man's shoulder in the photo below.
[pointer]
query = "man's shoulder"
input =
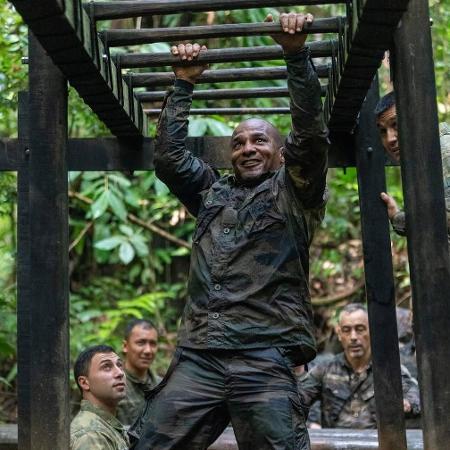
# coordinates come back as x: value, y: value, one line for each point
x: 331, y: 368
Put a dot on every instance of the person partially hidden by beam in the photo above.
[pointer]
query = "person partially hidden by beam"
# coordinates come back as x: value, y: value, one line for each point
x: 344, y: 385
x: 139, y: 346
x: 99, y: 374
x: 386, y: 117
x: 247, y: 320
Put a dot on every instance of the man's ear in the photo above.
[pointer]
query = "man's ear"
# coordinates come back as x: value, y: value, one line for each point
x: 125, y: 346
x: 84, y: 383
x: 337, y: 330
x: 282, y: 155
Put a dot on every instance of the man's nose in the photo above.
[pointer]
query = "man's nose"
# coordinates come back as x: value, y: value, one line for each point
x: 391, y: 135
x: 248, y: 148
x: 353, y: 335
x: 119, y: 373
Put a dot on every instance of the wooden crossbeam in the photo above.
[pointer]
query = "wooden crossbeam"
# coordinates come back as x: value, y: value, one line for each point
x: 122, y: 9
x: 218, y: 76
x: 154, y: 112
x: 65, y: 32
x: 224, y: 94
x: 272, y: 52
x: 117, y: 37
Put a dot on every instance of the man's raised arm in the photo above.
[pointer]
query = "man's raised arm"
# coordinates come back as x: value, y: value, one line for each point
x: 185, y: 175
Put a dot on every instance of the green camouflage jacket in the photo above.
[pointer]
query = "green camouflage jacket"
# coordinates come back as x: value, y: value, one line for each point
x: 131, y: 406
x: 248, y: 284
x: 347, y: 398
x: 94, y: 428
x: 398, y: 221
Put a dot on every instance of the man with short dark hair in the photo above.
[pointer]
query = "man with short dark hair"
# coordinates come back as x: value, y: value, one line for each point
x: 139, y: 346
x: 99, y: 375
x: 344, y: 385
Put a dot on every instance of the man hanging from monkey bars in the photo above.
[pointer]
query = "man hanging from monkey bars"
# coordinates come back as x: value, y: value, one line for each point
x: 247, y: 321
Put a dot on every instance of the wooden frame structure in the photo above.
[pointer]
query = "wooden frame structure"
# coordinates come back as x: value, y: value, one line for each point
x: 73, y: 51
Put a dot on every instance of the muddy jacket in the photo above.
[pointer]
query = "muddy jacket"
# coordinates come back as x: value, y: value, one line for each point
x: 347, y: 398
x: 398, y: 221
x: 248, y: 283
x: 95, y: 429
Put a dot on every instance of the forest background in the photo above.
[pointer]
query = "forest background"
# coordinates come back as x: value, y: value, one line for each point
x: 130, y: 238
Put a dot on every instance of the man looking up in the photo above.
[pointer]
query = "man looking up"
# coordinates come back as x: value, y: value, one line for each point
x: 247, y: 320
x: 386, y: 116
x: 139, y: 347
x: 99, y: 375
x: 344, y: 385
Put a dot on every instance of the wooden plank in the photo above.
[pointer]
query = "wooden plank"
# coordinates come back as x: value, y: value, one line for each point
x: 154, y: 112
x: 220, y: 75
x: 270, y: 52
x: 118, y: 37
x: 380, y: 288
x: 120, y: 9
x: 48, y: 237
x: 425, y: 217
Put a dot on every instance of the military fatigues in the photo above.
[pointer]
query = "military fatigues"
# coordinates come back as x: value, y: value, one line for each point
x: 398, y: 221
x: 131, y: 406
x: 94, y: 428
x: 248, y: 315
x: 347, y: 397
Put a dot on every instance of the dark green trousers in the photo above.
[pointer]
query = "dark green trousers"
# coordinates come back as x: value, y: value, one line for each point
x: 206, y: 389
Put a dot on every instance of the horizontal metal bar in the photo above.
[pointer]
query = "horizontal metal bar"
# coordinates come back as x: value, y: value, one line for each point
x: 121, y: 9
x: 114, y: 38
x: 219, y: 75
x: 263, y: 53
x: 224, y: 94
x: 225, y: 111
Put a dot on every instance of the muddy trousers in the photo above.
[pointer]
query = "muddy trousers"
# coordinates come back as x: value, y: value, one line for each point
x: 206, y: 389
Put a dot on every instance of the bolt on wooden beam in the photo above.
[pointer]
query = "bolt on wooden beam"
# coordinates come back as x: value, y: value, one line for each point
x: 122, y: 9
x: 114, y: 38
x: 272, y: 52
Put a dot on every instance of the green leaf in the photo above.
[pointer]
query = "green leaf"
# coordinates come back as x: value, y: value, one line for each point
x: 126, y: 252
x: 109, y: 243
x: 139, y: 243
x: 197, y: 127
x: 218, y: 128
x: 100, y: 205
x: 117, y: 206
x: 125, y: 229
x: 161, y: 188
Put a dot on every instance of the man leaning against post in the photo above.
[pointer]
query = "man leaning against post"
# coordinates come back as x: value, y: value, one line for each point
x: 247, y: 320
x: 99, y: 375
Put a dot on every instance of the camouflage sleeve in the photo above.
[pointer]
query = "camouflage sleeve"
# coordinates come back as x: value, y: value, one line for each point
x: 310, y: 385
x: 185, y: 175
x: 398, y: 223
x: 306, y: 147
x: 91, y: 440
x: 410, y: 391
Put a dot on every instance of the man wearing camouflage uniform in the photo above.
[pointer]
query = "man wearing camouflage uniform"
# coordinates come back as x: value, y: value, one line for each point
x: 139, y: 347
x: 344, y: 385
x: 99, y: 375
x: 247, y: 321
x: 386, y: 116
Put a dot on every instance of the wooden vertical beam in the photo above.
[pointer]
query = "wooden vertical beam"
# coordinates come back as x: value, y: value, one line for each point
x: 380, y: 290
x: 425, y: 217
x: 48, y: 356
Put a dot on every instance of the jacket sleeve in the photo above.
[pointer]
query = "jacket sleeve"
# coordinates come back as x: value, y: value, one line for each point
x: 92, y: 440
x: 410, y: 391
x: 306, y: 147
x: 310, y: 385
x: 185, y: 175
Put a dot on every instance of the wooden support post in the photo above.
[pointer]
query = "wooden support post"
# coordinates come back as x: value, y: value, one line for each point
x: 47, y: 362
x: 425, y: 217
x: 380, y: 290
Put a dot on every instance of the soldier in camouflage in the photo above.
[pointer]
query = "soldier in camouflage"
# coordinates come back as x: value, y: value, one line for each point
x: 344, y: 385
x: 139, y: 347
x: 99, y: 375
x: 247, y: 321
x: 386, y: 115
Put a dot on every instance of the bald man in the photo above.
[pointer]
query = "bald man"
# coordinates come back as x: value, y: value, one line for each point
x: 247, y: 321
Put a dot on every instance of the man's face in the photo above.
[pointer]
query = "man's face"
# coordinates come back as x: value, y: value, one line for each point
x: 353, y: 332
x: 387, y: 125
x: 105, y: 380
x: 140, y: 348
x: 255, y: 150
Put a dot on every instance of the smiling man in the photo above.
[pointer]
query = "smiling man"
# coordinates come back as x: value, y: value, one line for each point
x: 344, y: 385
x: 247, y: 320
x: 140, y: 346
x: 100, y: 377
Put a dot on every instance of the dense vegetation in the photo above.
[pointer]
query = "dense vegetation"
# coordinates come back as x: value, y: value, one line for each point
x: 130, y: 239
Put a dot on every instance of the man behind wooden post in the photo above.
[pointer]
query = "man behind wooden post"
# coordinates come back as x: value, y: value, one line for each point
x: 247, y: 321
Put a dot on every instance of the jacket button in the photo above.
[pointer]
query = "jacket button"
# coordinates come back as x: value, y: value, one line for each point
x: 215, y: 315
x: 208, y: 202
x: 226, y: 230
x: 217, y: 287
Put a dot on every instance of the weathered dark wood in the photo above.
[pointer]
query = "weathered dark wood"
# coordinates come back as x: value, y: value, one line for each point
x: 225, y: 111
x: 48, y: 358
x: 223, y: 94
x: 122, y: 9
x: 219, y: 75
x: 425, y: 217
x: 380, y: 289
x: 119, y: 37
x: 272, y: 52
